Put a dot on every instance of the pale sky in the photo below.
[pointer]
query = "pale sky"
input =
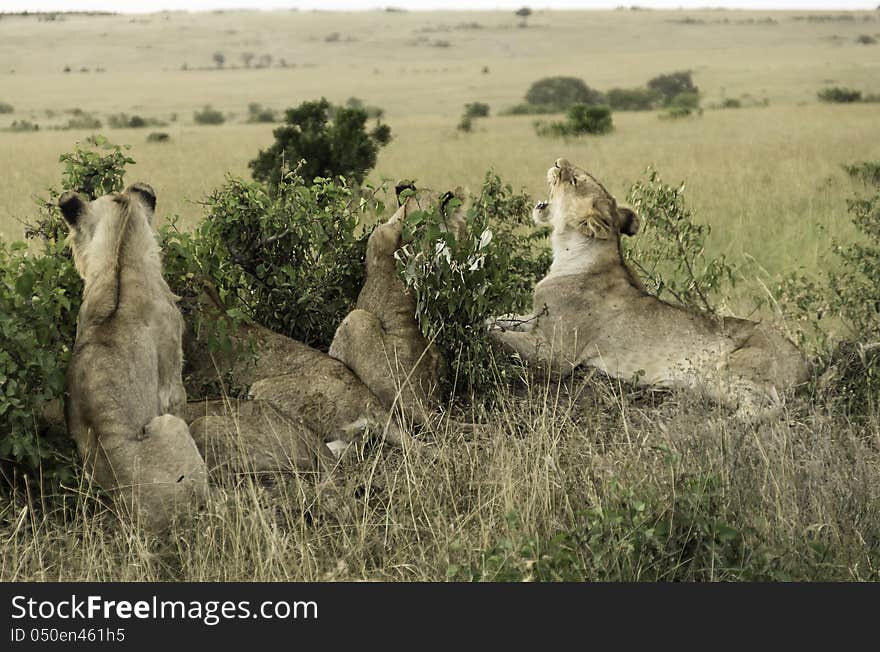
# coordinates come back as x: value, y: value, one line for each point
x: 143, y: 6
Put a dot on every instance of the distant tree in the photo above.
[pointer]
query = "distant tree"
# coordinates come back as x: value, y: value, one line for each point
x: 632, y: 99
x: 673, y: 84
x: 840, y: 95
x: 476, y: 110
x: 209, y: 116
x: 524, y: 13
x: 342, y: 147
x: 559, y: 93
x: 246, y: 58
x: 219, y: 59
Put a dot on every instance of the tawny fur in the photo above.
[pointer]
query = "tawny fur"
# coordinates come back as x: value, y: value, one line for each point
x: 381, y: 342
x: 300, y: 400
x: 592, y: 310
x: 124, y: 394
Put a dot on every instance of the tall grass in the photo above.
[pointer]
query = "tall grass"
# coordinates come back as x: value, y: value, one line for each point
x: 586, y: 479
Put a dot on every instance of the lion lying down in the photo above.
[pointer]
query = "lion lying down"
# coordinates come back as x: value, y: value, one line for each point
x: 591, y: 310
x: 303, y: 407
x: 124, y: 394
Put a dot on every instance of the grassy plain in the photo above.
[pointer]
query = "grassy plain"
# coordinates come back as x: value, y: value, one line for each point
x: 587, y: 480
x: 763, y: 177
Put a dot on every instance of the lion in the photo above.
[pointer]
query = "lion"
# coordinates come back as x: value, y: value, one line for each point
x: 380, y: 340
x: 124, y: 395
x: 303, y: 408
x: 592, y: 310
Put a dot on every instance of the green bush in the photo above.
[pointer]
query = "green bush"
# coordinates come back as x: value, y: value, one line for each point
x: 580, y: 120
x: 839, y: 95
x: 476, y: 110
x: 258, y: 113
x: 669, y: 252
x: 342, y: 147
x: 868, y: 172
x: 682, y: 105
x: 459, y: 282
x: 20, y: 126
x: 124, y: 121
x: 838, y: 310
x: 633, y: 99
x: 40, y: 294
x: 209, y: 116
x: 673, y: 84
x: 158, y: 137
x: 5, y: 107
x: 559, y: 93
x: 82, y: 120
x: 730, y: 103
x: 291, y: 260
x: 466, y: 124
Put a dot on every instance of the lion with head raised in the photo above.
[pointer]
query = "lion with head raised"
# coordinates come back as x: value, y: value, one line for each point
x: 380, y: 340
x: 124, y: 393
x: 592, y: 310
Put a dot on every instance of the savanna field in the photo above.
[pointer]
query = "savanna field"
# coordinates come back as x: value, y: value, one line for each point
x: 584, y: 479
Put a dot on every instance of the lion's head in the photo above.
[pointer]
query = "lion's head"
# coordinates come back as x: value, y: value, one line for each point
x: 101, y: 227
x: 580, y: 202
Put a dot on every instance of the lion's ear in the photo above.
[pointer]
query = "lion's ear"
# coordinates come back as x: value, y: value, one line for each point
x: 593, y: 220
x: 628, y: 220
x: 72, y: 206
x: 145, y: 192
x: 595, y: 225
x: 404, y: 184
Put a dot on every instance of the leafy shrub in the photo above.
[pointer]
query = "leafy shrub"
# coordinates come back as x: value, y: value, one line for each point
x: 559, y: 93
x: 866, y: 39
x: 5, y: 107
x: 259, y: 113
x: 23, y: 126
x: 82, y: 120
x: 488, y: 270
x: 374, y: 112
x: 580, y: 120
x: 158, y: 137
x: 682, y: 105
x: 633, y: 99
x: 730, y: 103
x: 839, y: 95
x: 846, y: 293
x: 868, y: 172
x: 291, y: 260
x: 476, y: 110
x: 673, y: 84
x: 466, y: 124
x: 124, y: 121
x: 40, y: 294
x: 209, y: 116
x: 669, y: 252
x: 341, y: 147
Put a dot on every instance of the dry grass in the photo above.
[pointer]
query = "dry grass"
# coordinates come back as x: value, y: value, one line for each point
x: 586, y: 480
x: 583, y: 480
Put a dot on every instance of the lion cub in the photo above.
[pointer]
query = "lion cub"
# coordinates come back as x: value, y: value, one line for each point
x: 592, y: 310
x: 124, y: 392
